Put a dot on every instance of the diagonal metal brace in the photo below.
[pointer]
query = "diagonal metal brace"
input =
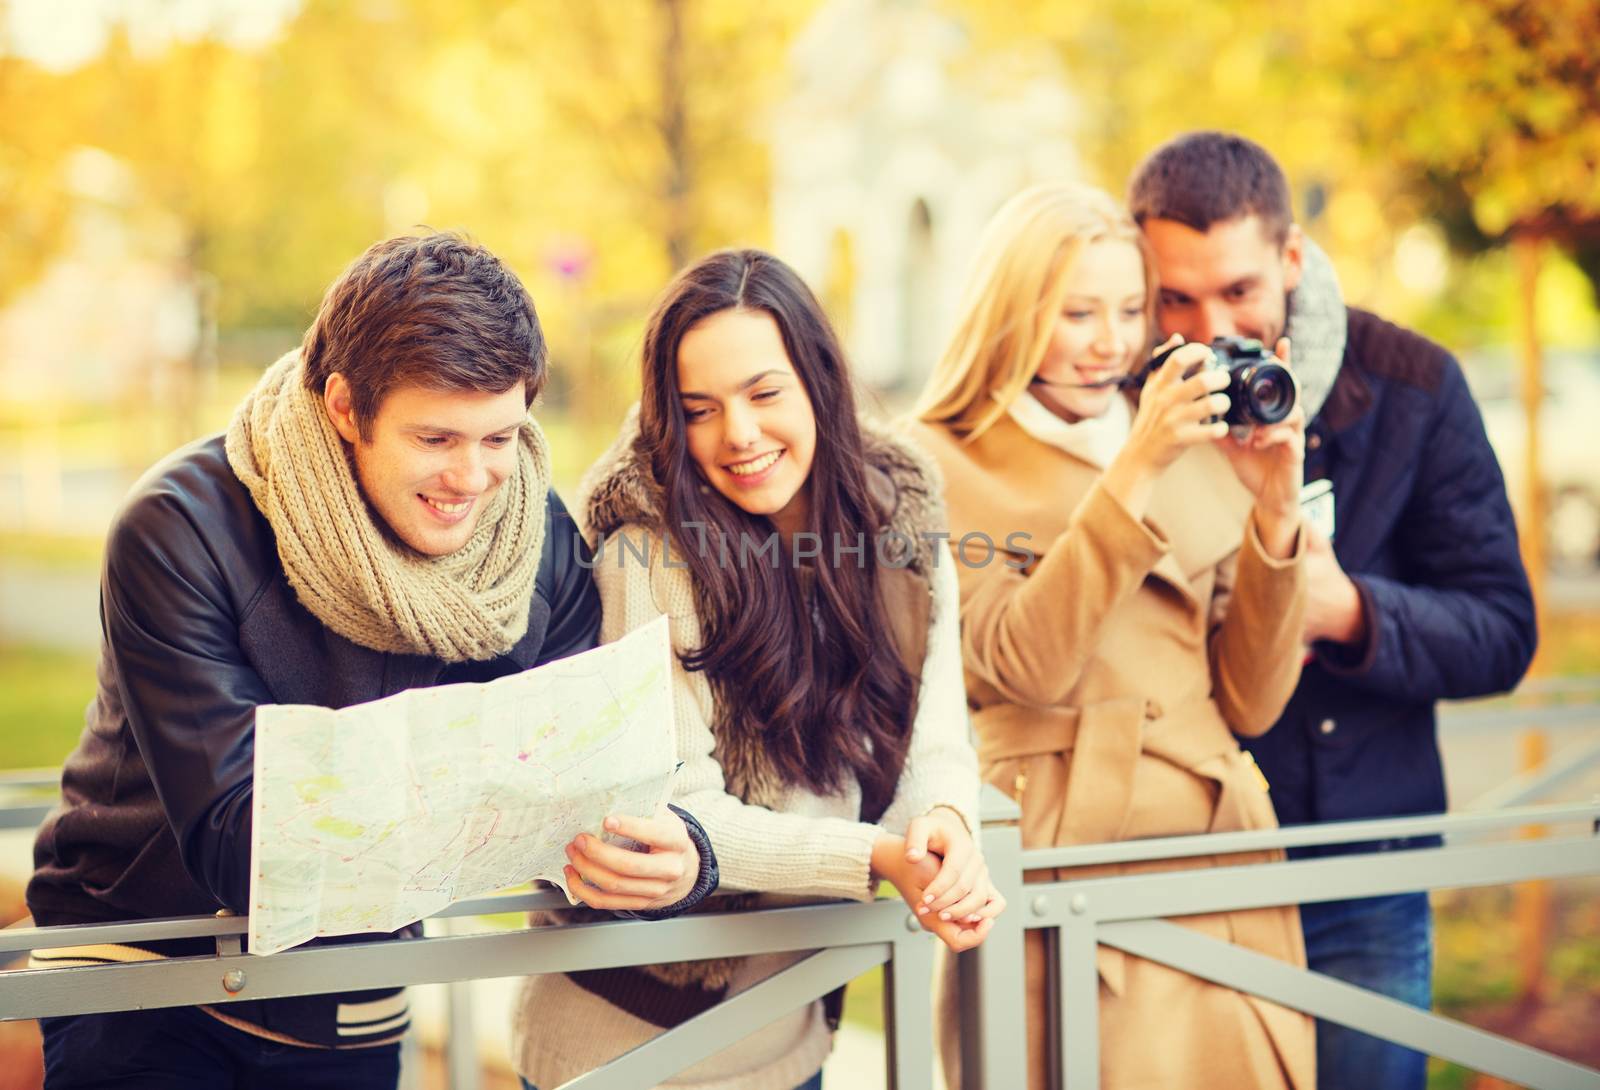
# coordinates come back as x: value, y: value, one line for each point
x: 1334, y: 1000
x: 733, y: 1019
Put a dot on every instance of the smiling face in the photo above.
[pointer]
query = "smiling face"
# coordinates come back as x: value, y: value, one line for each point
x: 1231, y: 280
x: 431, y: 460
x: 1099, y: 333
x: 751, y: 429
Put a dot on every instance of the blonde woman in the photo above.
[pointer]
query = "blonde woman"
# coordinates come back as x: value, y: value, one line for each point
x: 1144, y: 605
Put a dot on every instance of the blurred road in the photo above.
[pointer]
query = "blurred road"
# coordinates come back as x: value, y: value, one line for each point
x: 50, y: 606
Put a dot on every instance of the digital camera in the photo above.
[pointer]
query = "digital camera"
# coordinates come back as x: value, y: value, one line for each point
x: 1260, y: 389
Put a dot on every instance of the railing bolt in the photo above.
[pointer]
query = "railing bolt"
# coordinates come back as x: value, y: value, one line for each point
x: 1040, y: 905
x: 1079, y: 904
x: 233, y: 981
x: 911, y: 923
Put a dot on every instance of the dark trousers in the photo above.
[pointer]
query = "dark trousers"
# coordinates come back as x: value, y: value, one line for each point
x: 1383, y: 944
x: 183, y: 1048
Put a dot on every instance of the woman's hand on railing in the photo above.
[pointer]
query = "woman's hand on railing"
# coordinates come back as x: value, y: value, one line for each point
x: 961, y: 890
x: 615, y: 878
x: 912, y: 878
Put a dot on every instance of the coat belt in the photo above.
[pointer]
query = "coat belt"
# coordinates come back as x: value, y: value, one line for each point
x: 1106, y: 740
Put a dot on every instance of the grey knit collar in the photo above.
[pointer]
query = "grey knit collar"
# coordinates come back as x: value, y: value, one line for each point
x: 1318, y: 325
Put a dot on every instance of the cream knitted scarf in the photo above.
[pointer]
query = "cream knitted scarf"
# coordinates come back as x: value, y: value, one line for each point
x: 352, y: 576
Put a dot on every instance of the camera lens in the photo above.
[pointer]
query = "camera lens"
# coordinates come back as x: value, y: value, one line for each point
x: 1268, y: 393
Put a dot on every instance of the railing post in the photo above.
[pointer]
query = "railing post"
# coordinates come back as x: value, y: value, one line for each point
x: 994, y: 1041
x: 461, y: 1043
x: 907, y: 1012
x: 461, y: 1067
x: 1079, y: 974
x: 411, y: 1060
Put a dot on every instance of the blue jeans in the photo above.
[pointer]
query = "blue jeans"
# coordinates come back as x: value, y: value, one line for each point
x: 813, y: 1083
x: 183, y: 1048
x: 1383, y: 944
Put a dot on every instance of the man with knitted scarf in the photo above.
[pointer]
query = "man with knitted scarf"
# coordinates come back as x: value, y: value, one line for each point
x: 378, y: 517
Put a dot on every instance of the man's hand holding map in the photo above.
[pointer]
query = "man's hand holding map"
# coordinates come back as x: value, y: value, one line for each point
x: 374, y: 816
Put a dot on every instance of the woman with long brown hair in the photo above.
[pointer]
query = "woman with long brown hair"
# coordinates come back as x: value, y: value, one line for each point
x: 821, y: 719
x: 1154, y: 612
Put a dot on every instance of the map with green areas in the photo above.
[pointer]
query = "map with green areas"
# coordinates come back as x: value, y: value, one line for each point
x: 374, y: 816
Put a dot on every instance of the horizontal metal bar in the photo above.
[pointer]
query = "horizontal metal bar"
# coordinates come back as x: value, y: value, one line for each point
x: 30, y: 778
x: 19, y: 939
x: 15, y: 940
x: 539, y: 900
x: 24, y: 816
x: 320, y: 969
x: 1518, y: 717
x: 1546, y: 686
x: 1334, y: 878
x: 496, y: 904
x: 1538, y: 782
x: 733, y: 1019
x: 1324, y: 997
x: 1299, y: 836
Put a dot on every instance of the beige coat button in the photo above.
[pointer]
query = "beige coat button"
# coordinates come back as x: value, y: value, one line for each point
x: 1153, y: 709
x: 1328, y: 726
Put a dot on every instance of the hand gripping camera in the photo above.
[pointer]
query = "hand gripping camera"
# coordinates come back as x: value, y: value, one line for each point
x: 1260, y: 389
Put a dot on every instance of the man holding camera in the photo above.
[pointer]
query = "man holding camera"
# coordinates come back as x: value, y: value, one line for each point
x: 378, y: 517
x: 1415, y: 587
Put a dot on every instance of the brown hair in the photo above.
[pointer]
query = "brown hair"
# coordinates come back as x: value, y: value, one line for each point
x: 815, y: 678
x: 437, y: 311
x: 1202, y: 178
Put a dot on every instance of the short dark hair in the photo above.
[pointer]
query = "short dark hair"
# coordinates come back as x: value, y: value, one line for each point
x: 435, y: 310
x: 1202, y: 178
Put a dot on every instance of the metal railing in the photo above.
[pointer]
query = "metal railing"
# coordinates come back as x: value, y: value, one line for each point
x: 27, y: 795
x: 1128, y: 912
x: 1131, y: 913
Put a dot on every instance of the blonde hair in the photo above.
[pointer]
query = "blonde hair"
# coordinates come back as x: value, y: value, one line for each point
x: 1013, y: 294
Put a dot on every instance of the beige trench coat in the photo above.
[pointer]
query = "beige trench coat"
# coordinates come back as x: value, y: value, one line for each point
x: 1103, y: 681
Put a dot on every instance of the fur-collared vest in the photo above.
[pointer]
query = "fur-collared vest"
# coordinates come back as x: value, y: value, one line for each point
x: 619, y: 495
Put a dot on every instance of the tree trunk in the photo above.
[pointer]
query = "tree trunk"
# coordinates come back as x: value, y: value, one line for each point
x: 1533, y: 907
x: 675, y: 136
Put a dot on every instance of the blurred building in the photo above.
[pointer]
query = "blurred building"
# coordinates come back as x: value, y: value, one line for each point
x: 112, y: 327
x: 1569, y: 454
x: 114, y: 310
x: 897, y: 141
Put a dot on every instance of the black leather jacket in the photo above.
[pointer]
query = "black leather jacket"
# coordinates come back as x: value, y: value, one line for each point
x: 198, y: 627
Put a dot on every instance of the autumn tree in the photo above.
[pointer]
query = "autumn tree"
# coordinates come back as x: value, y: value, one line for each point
x: 1488, y: 111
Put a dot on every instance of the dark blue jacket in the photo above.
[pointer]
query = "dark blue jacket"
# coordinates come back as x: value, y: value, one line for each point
x: 1425, y: 532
